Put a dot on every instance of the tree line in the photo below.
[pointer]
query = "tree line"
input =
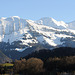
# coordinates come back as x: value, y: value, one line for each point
x: 36, y: 66
x: 41, y: 64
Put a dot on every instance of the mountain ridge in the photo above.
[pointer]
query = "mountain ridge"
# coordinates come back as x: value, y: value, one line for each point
x: 17, y: 34
x: 13, y: 26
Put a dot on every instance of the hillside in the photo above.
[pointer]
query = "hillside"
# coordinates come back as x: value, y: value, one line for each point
x: 4, y: 58
x: 46, y: 53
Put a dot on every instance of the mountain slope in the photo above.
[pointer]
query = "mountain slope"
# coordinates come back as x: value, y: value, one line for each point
x: 71, y: 25
x: 46, y: 53
x: 4, y: 58
x: 24, y: 36
x: 52, y: 23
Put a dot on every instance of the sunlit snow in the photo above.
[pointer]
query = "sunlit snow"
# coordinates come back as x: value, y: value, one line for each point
x: 44, y: 31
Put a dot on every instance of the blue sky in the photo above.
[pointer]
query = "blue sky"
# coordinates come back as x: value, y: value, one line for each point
x: 36, y: 9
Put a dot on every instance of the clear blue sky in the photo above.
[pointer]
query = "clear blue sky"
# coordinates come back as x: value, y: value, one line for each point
x: 36, y: 9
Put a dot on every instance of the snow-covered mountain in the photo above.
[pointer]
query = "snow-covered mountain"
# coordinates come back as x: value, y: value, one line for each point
x: 71, y: 25
x: 21, y: 34
x: 52, y: 23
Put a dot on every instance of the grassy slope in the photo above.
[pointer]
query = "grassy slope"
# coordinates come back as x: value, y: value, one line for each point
x: 7, y: 64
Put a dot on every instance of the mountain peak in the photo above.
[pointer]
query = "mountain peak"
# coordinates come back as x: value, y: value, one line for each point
x: 44, y: 18
x: 15, y: 16
x: 48, y: 21
x: 3, y: 18
x: 10, y: 17
x: 27, y: 33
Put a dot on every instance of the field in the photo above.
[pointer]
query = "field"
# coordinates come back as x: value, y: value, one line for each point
x: 7, y: 65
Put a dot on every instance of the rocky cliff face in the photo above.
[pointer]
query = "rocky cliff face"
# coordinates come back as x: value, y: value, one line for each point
x: 11, y: 24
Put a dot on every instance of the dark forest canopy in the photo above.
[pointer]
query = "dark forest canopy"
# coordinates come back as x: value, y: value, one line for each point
x: 44, y: 62
x: 58, y: 52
